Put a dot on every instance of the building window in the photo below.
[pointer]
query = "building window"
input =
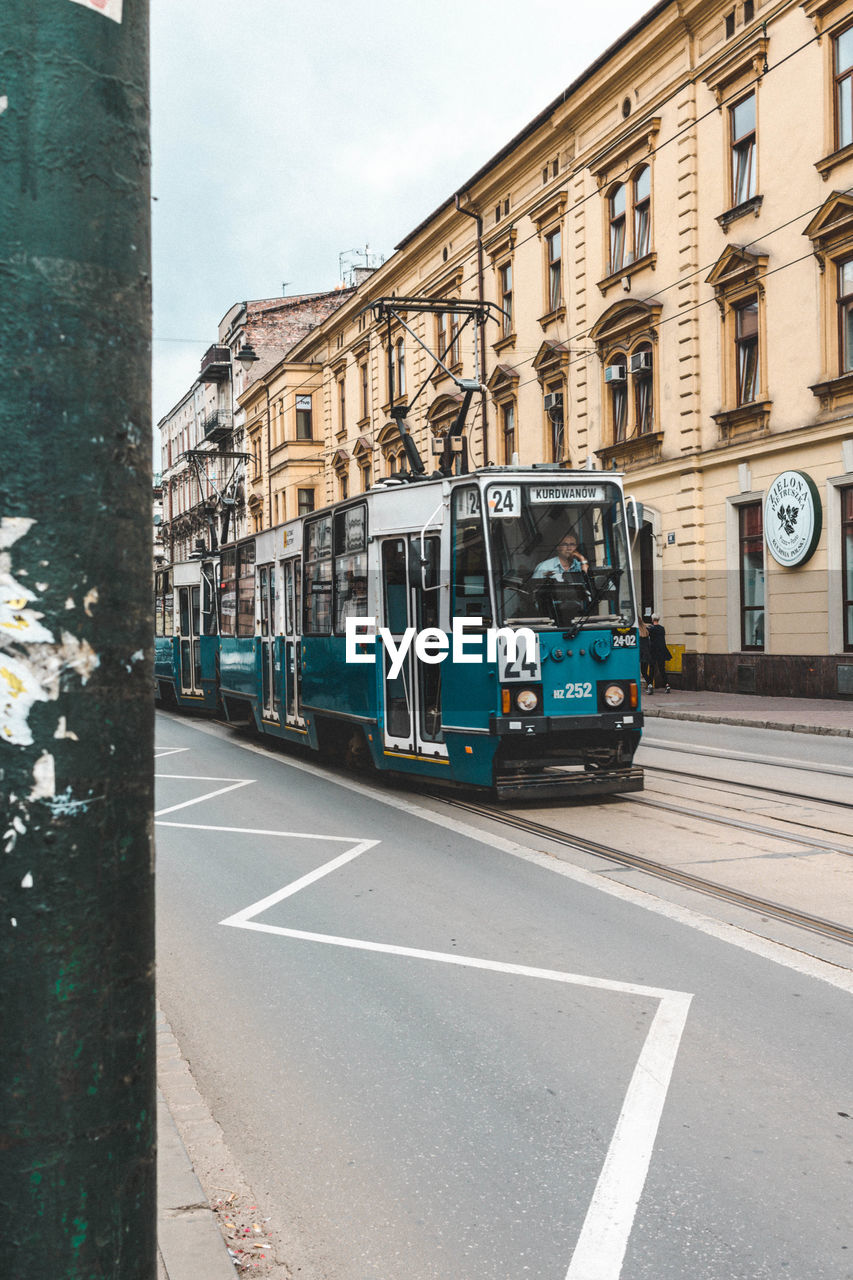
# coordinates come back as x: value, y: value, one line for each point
x: 842, y: 47
x: 365, y: 390
x: 399, y: 374
x: 748, y: 11
x: 642, y: 192
x: 845, y: 316
x: 342, y: 405
x: 304, y: 423
x: 641, y: 378
x: 343, y: 485
x: 553, y: 249
x: 305, y: 501
x: 617, y: 228
x: 505, y: 283
x: 365, y: 471
x: 742, y: 132
x: 554, y: 414
x: 751, y: 541
x: 618, y: 387
x: 730, y: 24
x: 847, y: 564
x: 508, y: 431
x: 746, y: 351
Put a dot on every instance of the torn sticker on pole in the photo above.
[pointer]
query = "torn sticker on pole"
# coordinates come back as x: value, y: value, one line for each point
x: 109, y: 8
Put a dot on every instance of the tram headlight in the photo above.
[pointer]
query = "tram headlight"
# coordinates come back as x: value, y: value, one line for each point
x: 527, y: 700
x: 614, y: 695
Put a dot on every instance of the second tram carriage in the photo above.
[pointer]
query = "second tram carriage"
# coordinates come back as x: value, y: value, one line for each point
x: 259, y: 630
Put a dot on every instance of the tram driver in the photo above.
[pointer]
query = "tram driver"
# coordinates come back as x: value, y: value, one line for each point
x: 568, y: 560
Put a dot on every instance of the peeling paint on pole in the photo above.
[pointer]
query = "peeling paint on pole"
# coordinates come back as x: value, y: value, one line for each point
x: 77, y: 1144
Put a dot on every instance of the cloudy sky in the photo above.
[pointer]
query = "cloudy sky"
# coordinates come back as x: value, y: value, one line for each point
x: 287, y: 133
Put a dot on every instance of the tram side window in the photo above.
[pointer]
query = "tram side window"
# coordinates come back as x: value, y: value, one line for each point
x: 350, y: 565
x: 228, y: 592
x: 246, y: 590
x: 208, y: 613
x: 318, y: 577
x: 163, y: 604
x: 470, y: 577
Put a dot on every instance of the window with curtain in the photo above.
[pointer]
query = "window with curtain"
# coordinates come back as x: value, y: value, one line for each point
x: 845, y: 316
x: 505, y: 283
x: 641, y: 377
x: 508, y: 430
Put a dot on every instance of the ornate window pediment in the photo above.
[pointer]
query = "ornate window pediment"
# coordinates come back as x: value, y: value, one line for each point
x: 340, y: 459
x: 747, y: 62
x: 625, y: 152
x: 736, y: 268
x: 503, y: 380
x: 502, y: 243
x: 362, y: 448
x: 552, y: 359
x: 549, y: 209
x: 626, y: 321
x: 831, y: 228
x: 823, y: 13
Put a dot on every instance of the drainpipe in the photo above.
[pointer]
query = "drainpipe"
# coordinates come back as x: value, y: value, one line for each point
x: 481, y: 324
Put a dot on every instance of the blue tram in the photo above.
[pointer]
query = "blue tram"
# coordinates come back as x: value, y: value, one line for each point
x: 382, y: 629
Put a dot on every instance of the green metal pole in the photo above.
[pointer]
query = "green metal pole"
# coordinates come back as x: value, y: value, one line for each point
x: 77, y: 1135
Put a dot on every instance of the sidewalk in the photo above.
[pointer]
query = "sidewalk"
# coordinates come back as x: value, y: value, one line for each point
x: 833, y: 716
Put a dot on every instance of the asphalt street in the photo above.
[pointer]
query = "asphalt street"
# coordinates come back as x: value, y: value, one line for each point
x: 434, y: 1056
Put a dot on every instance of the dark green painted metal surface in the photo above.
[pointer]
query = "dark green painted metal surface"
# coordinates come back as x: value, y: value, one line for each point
x: 77, y: 1167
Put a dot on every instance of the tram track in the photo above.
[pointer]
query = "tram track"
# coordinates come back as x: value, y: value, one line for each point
x: 749, y: 902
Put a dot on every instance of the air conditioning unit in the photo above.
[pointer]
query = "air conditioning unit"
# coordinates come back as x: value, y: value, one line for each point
x: 641, y: 362
x: 614, y: 373
x: 554, y: 405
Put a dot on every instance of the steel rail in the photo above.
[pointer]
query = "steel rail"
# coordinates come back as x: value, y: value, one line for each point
x: 750, y: 902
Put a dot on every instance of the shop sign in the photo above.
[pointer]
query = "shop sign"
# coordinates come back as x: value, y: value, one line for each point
x: 793, y: 518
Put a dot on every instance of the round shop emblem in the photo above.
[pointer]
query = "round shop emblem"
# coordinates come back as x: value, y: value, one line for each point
x: 792, y: 518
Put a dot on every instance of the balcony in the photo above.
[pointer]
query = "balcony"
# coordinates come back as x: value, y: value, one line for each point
x: 217, y: 426
x: 215, y: 364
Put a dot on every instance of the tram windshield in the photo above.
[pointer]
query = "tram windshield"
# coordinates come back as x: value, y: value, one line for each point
x: 560, y: 555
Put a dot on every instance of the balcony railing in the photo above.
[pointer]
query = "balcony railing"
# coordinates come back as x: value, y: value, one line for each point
x: 215, y: 364
x: 217, y: 425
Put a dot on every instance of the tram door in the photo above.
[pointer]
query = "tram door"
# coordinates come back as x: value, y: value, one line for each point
x: 412, y: 697
x: 266, y: 588
x: 189, y: 608
x: 291, y: 693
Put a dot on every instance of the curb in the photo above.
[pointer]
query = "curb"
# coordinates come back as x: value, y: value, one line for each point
x: 188, y: 1237
x: 710, y: 718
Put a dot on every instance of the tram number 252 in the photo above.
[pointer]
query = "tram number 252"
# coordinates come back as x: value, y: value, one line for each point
x: 583, y: 689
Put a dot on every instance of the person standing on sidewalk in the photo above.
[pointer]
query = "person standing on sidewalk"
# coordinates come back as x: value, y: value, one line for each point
x: 659, y: 655
x: 645, y: 652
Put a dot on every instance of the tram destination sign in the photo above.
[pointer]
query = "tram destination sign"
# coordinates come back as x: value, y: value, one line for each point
x: 792, y: 518
x: 542, y: 493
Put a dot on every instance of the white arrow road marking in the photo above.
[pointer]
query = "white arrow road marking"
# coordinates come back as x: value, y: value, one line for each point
x: 603, y: 1240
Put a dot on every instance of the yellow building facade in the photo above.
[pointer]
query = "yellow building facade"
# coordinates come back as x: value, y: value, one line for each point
x: 667, y: 255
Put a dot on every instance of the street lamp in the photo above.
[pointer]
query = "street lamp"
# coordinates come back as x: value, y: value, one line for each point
x: 247, y: 355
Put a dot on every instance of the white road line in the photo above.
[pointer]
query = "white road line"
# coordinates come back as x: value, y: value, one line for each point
x: 169, y: 751
x: 600, y: 1250
x: 247, y: 782
x: 732, y: 935
x: 607, y: 1226
x: 197, y: 777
